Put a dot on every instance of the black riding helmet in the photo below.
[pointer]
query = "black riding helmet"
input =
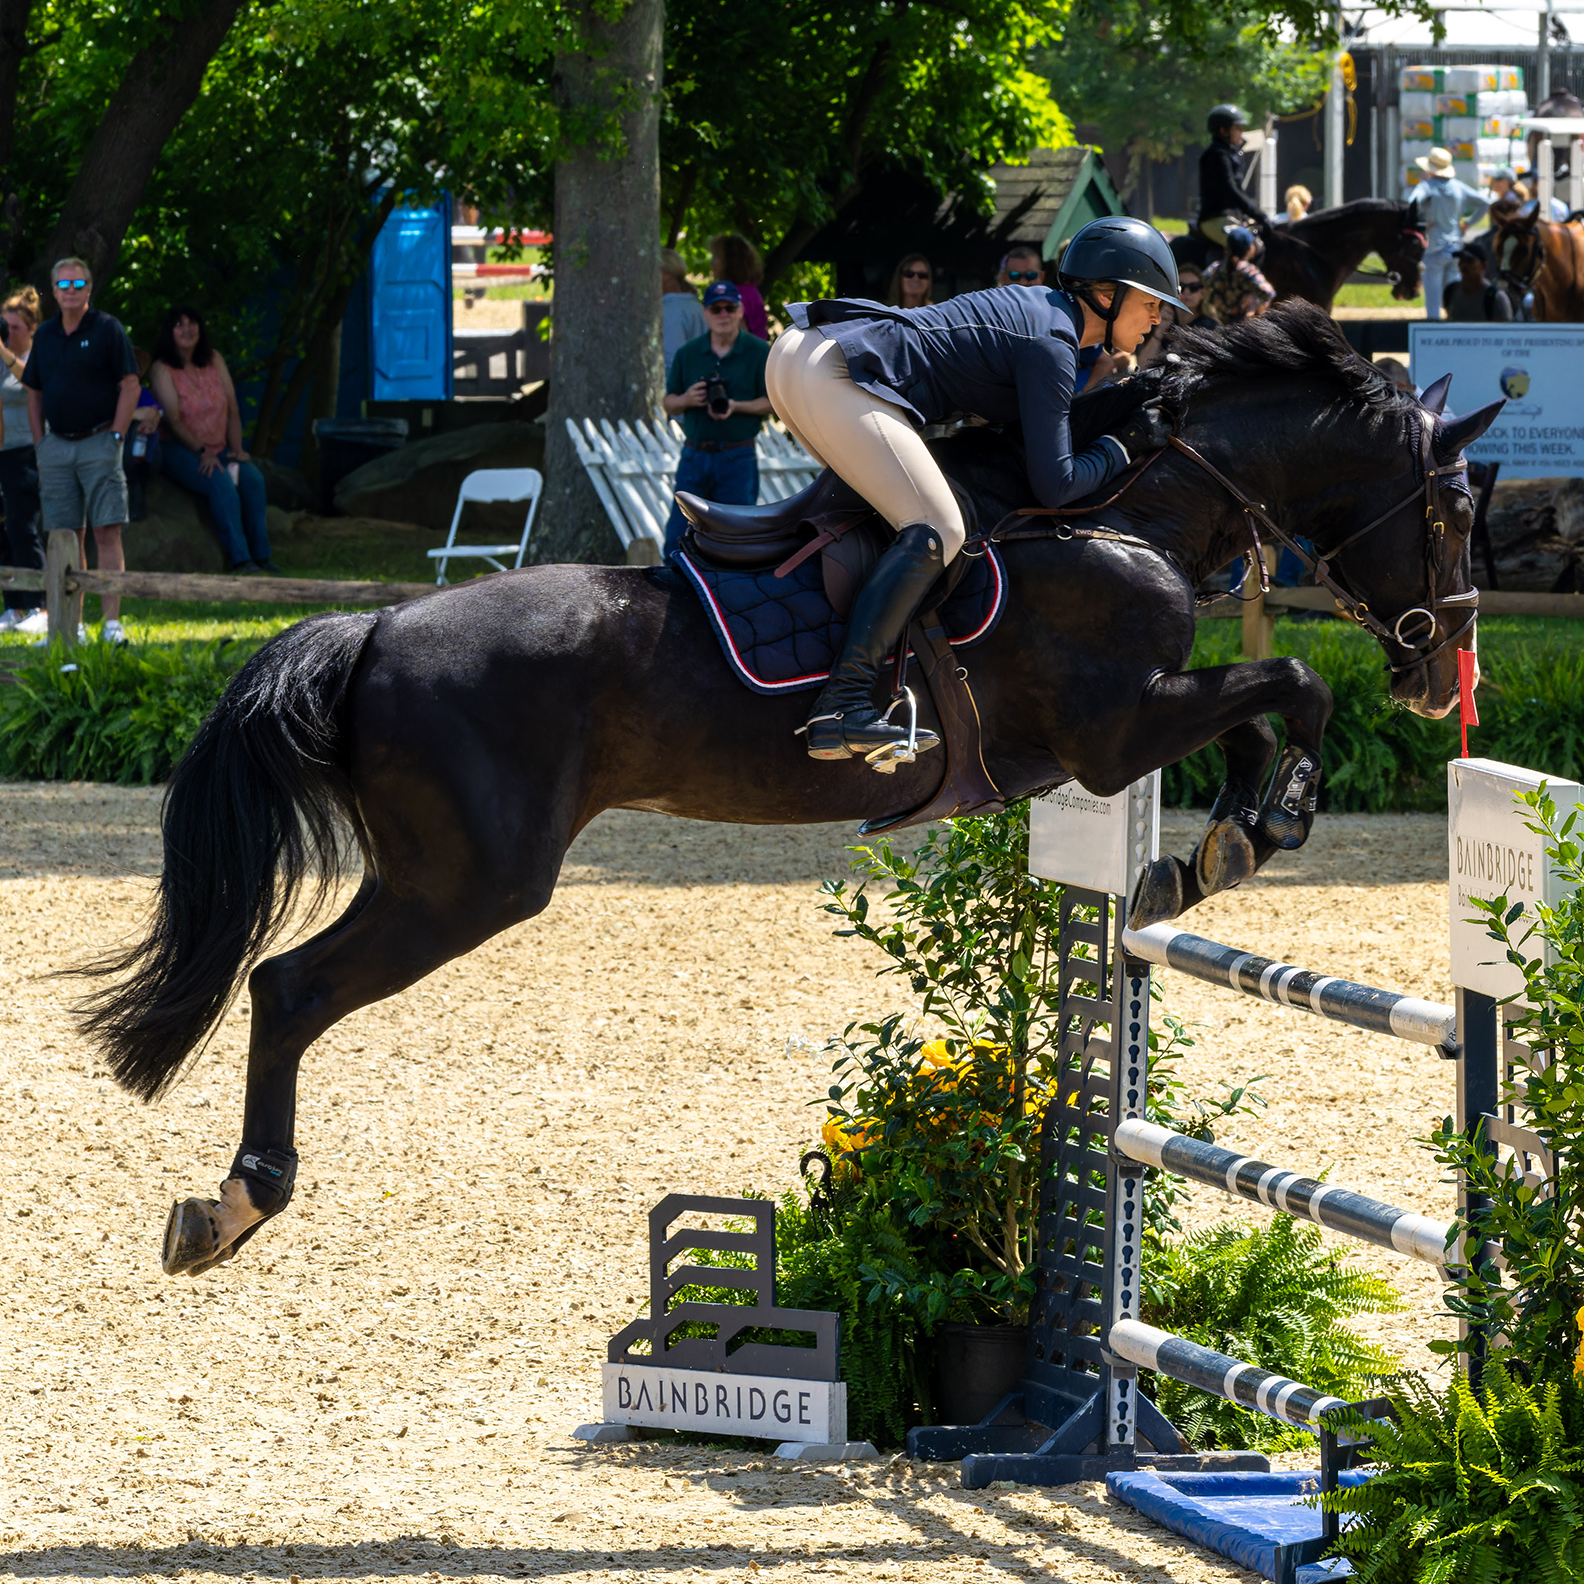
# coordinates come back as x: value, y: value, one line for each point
x: 1125, y: 252
x: 1224, y: 117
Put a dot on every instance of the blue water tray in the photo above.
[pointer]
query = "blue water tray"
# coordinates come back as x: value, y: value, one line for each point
x: 1260, y: 1521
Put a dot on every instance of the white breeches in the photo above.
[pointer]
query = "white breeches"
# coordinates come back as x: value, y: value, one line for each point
x: 866, y: 441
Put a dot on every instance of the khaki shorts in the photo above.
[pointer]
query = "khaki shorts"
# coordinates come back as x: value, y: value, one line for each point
x: 81, y: 483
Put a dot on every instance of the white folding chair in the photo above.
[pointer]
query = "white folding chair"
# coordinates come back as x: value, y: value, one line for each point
x: 492, y: 484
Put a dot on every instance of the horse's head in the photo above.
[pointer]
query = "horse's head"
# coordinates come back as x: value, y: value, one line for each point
x: 1403, y: 257
x: 1369, y: 475
x: 1407, y: 566
x: 1517, y: 249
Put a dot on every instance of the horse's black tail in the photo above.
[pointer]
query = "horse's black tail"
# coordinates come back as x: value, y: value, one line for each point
x: 251, y: 812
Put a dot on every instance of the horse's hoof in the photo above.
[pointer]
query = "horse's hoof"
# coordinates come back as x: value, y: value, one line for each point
x: 192, y: 1238
x: 1157, y: 894
x: 1224, y: 857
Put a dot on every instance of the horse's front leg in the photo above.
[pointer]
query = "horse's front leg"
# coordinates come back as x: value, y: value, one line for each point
x: 1255, y: 814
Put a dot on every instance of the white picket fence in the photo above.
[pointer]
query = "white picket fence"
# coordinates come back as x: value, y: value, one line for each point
x: 633, y: 470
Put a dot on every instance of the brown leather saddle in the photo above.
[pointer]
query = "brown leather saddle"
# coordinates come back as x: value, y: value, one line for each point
x: 831, y: 520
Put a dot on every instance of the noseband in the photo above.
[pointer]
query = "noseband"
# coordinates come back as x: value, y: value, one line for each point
x: 1402, y: 632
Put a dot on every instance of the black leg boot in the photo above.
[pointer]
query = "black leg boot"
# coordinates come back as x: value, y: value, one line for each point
x: 844, y: 720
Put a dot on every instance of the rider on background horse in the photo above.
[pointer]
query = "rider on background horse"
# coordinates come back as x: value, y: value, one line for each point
x: 1223, y: 201
x: 855, y: 381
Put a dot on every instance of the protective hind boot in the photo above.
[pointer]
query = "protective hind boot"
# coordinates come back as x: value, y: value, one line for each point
x: 844, y: 720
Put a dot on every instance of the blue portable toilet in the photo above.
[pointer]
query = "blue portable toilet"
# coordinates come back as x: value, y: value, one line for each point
x: 409, y: 281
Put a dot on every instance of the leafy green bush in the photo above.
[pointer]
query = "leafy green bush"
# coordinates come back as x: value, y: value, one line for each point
x: 936, y: 1145
x: 102, y: 712
x: 1485, y: 1486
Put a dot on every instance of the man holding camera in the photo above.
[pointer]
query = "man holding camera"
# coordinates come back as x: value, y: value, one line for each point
x: 717, y: 387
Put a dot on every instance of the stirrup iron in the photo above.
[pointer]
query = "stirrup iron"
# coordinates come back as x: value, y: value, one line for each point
x: 888, y: 756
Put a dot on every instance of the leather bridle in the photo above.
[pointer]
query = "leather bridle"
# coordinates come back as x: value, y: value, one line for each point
x: 1421, y: 645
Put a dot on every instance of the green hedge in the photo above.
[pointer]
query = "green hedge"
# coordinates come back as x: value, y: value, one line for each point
x: 1380, y: 758
x: 99, y: 713
x: 102, y: 712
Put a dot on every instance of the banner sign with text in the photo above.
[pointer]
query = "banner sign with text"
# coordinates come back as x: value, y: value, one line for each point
x: 706, y: 1404
x: 1535, y: 367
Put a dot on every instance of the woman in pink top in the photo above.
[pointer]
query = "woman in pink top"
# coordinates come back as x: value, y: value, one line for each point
x: 733, y: 257
x: 203, y: 441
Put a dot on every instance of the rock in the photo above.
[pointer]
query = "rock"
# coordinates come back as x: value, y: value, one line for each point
x: 176, y: 534
x: 418, y: 482
x: 285, y: 486
x: 1537, y: 535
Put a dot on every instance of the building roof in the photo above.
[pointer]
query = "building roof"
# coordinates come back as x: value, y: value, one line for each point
x: 1059, y: 190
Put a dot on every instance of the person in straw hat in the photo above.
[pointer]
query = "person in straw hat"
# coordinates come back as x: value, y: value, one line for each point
x: 1443, y: 207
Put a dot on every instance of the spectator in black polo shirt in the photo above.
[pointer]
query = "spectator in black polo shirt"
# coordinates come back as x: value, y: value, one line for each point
x: 718, y: 460
x: 82, y: 385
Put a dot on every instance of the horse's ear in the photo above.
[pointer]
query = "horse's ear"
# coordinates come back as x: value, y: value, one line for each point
x: 1453, y: 436
x: 1435, y: 396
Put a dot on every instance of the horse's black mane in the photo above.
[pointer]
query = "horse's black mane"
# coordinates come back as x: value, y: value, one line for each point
x: 1295, y: 337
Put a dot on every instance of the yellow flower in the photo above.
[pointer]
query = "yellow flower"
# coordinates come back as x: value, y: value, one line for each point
x: 1578, y: 1363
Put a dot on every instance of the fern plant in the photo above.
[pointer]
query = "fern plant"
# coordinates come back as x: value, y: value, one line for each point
x: 1271, y: 1296
x: 1473, y: 1487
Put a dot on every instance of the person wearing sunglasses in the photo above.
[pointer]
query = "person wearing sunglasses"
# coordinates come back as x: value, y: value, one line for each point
x: 82, y: 385
x: 716, y: 387
x: 855, y: 381
x: 911, y: 283
x: 1022, y: 266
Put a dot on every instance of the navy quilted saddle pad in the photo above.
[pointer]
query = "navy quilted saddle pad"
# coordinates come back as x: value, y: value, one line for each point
x: 781, y: 635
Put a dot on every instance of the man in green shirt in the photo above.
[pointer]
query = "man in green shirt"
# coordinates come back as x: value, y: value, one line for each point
x: 718, y: 459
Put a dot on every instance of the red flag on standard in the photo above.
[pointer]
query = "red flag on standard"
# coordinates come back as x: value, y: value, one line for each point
x: 1468, y: 710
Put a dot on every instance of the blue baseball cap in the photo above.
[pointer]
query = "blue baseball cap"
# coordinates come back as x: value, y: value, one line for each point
x: 1240, y: 237
x: 721, y: 291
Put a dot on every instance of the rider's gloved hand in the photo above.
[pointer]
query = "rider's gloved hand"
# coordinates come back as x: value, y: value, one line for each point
x: 1147, y: 430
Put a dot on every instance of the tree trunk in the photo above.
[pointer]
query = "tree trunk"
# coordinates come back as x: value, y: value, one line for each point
x: 605, y: 353
x: 14, y: 16
x: 159, y: 86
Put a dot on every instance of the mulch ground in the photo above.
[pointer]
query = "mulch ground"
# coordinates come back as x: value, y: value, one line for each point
x: 383, y: 1384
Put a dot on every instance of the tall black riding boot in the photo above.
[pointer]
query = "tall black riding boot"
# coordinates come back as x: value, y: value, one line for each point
x: 844, y: 720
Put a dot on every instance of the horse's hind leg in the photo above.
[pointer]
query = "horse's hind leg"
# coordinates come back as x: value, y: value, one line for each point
x: 384, y: 942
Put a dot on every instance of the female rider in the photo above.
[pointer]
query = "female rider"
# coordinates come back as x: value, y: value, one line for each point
x: 855, y: 380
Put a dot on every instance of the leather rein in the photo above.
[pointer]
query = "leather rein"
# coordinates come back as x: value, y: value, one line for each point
x: 1318, y: 566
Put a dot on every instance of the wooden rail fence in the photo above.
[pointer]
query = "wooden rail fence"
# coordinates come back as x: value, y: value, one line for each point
x: 63, y: 584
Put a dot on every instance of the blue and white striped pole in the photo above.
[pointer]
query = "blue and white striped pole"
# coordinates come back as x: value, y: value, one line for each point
x: 1339, y: 1209
x: 1151, y: 1348
x: 1380, y: 1011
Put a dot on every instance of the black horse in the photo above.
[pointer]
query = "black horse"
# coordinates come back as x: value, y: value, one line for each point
x: 1314, y: 257
x: 467, y: 737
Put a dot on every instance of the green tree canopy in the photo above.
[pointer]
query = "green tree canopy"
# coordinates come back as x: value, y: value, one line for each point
x: 1146, y: 75
x: 776, y: 116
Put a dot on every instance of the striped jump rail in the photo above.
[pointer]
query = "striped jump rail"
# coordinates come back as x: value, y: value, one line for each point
x: 1339, y: 1209
x: 1151, y: 1348
x: 1380, y: 1011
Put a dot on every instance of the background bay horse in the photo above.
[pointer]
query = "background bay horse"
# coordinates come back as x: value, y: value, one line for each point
x: 1311, y: 259
x: 1546, y: 257
x: 466, y: 738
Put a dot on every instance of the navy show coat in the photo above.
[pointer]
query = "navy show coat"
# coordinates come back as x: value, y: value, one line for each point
x: 1008, y: 355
